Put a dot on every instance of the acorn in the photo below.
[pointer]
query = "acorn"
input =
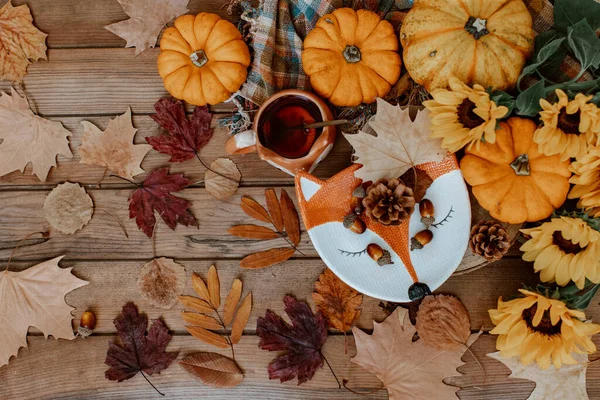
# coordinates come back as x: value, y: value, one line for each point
x: 382, y: 257
x: 427, y: 212
x: 356, y: 202
x: 421, y: 239
x: 86, y: 324
x: 352, y: 222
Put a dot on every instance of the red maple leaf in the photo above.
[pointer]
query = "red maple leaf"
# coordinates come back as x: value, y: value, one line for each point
x: 301, y: 341
x: 155, y: 195
x: 140, y: 351
x: 185, y: 136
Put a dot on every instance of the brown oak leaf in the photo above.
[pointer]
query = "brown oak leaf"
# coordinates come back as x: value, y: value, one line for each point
x: 20, y: 42
x: 301, y: 342
x: 443, y: 322
x: 113, y: 148
x: 147, y: 20
x: 161, y: 281
x: 140, y: 351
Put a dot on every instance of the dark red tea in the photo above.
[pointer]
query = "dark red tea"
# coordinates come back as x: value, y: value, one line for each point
x: 288, y: 112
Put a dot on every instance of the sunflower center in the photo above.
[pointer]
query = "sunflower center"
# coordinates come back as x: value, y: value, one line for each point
x: 199, y: 58
x: 352, y: 54
x: 545, y: 326
x: 467, y: 116
x: 569, y: 123
x: 565, y: 245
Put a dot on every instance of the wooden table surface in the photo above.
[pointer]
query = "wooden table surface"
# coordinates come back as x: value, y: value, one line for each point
x: 90, y: 76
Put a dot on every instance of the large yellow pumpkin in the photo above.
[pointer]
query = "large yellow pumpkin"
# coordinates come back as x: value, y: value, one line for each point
x: 203, y: 59
x: 478, y: 41
x: 351, y: 57
x: 512, y: 179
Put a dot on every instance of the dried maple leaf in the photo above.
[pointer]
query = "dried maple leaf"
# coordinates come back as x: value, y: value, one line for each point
x: 400, y: 144
x: 35, y: 297
x: 409, y: 370
x: 139, y: 351
x: 338, y: 302
x: 68, y: 208
x: 443, y: 322
x: 29, y: 138
x: 155, y: 195
x: 213, y: 369
x: 113, y: 148
x: 222, y: 179
x: 185, y: 137
x: 568, y: 382
x: 161, y: 281
x: 302, y: 341
x: 20, y: 42
x: 147, y: 20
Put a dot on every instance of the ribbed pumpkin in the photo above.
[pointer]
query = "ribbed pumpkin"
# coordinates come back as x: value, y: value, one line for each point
x: 203, y: 59
x: 351, y: 57
x: 512, y: 179
x: 478, y: 41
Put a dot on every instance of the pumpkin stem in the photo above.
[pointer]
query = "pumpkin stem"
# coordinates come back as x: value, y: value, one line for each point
x: 521, y: 165
x: 352, y: 54
x: 199, y: 58
x: 476, y: 27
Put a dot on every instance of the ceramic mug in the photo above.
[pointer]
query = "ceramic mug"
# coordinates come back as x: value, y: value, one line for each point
x: 293, y: 150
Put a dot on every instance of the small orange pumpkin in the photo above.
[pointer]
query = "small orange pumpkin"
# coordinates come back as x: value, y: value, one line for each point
x: 512, y: 179
x: 203, y: 59
x: 351, y: 57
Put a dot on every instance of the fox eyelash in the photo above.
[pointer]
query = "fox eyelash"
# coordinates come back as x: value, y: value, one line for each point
x: 352, y: 253
x: 449, y: 216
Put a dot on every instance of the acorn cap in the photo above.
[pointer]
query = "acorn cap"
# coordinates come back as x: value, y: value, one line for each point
x: 349, y: 220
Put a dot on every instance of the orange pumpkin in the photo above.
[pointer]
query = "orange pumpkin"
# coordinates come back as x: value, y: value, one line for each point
x: 512, y: 179
x: 478, y: 41
x: 203, y: 59
x: 351, y: 57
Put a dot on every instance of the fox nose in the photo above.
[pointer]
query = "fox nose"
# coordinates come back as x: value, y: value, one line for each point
x: 418, y: 290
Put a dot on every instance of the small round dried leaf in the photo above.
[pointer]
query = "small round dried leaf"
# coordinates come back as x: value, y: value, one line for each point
x: 161, y: 281
x: 217, y: 185
x: 68, y: 208
x: 443, y: 322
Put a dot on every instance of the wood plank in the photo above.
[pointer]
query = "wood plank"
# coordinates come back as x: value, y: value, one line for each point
x: 254, y: 170
x: 52, y: 369
x: 80, y: 23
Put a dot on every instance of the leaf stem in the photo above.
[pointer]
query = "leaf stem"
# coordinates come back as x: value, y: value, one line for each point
x: 331, y: 369
x: 212, y: 170
x: 117, y: 220
x: 362, y: 393
x: 125, y: 179
x: 220, y: 320
x: 148, y: 380
x: 19, y: 245
x: 478, y: 363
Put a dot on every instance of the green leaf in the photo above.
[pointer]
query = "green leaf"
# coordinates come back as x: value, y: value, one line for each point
x: 585, y: 44
x: 504, y: 99
x: 528, y: 102
x: 570, y: 12
x: 596, y: 99
x: 543, y: 55
x: 576, y: 298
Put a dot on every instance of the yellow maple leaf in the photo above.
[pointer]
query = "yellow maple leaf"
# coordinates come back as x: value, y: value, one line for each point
x: 113, y: 148
x: 20, y: 42
x: 35, y: 297
x: 29, y: 138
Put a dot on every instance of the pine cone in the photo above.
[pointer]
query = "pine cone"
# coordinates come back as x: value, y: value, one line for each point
x: 389, y: 202
x: 489, y: 239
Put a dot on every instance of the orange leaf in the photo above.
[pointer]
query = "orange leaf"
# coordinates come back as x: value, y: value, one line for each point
x: 241, y: 319
x: 274, y: 209
x: 290, y: 218
x: 267, y: 258
x: 214, y: 287
x: 253, y: 232
x: 195, y: 304
x: 207, y: 336
x: 337, y: 301
x: 203, y: 321
x: 255, y: 210
x: 213, y: 369
x: 200, y: 287
x: 232, y: 300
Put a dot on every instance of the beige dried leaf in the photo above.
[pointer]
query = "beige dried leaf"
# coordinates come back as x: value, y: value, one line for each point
x: 253, y: 232
x: 266, y: 258
x: 195, y: 304
x: 208, y: 336
x: 274, y: 209
x: 232, y: 300
x: 68, y: 208
x: 161, y: 281
x: 113, y: 148
x: 147, y: 20
x: 200, y: 287
x: 35, y: 297
x: 213, y: 369
x: 400, y: 144
x: 201, y: 320
x: 241, y: 319
x: 443, y: 322
x: 290, y: 218
x: 26, y: 138
x: 218, y: 186
x: 214, y: 287
x: 20, y: 42
x: 255, y: 210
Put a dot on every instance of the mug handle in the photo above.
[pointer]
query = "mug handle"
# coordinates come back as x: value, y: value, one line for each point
x: 242, y: 143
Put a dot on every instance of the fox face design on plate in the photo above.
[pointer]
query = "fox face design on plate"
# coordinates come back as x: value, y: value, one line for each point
x: 324, y: 204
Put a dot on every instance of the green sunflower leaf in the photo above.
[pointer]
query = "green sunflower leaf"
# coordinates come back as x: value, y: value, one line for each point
x: 585, y: 44
x: 576, y: 298
x: 545, y: 53
x: 504, y: 99
x: 528, y: 102
x: 569, y: 12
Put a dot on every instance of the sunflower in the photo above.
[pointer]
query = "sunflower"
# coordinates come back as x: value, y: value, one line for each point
x: 568, y: 127
x: 564, y: 249
x: 540, y: 329
x: 586, y: 178
x: 463, y: 115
